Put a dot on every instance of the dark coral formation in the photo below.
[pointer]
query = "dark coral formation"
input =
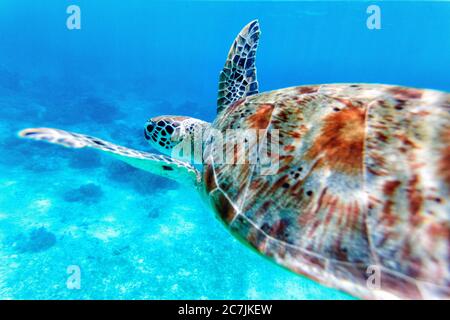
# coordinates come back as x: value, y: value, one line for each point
x: 89, y: 109
x: 37, y: 240
x: 154, y: 213
x: 88, y: 194
x: 40, y: 157
x: 140, y: 181
x: 85, y: 159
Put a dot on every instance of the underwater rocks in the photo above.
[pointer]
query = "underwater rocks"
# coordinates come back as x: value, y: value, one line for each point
x: 121, y: 250
x: 154, y: 213
x: 86, y: 159
x: 99, y: 110
x: 140, y: 181
x: 88, y: 194
x: 17, y: 109
x: 34, y: 157
x: 37, y: 240
x: 90, y: 109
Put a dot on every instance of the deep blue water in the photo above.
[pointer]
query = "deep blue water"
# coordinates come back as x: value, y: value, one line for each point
x: 134, y: 235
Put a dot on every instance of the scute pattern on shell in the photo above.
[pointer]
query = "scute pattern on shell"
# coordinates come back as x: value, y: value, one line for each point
x: 363, y: 181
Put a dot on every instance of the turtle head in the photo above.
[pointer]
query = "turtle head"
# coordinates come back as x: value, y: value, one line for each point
x: 164, y: 133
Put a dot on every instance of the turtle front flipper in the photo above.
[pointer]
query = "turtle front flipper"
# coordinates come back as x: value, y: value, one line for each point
x: 238, y: 77
x: 157, y: 164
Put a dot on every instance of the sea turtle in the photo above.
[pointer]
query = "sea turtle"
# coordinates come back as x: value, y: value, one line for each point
x: 352, y: 190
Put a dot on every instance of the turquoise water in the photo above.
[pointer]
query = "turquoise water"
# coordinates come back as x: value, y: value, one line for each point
x: 134, y: 235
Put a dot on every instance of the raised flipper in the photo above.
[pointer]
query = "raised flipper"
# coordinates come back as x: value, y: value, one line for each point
x: 238, y: 77
x: 161, y: 165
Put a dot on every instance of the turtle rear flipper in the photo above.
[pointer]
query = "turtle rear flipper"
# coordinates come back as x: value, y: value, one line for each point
x: 157, y: 164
